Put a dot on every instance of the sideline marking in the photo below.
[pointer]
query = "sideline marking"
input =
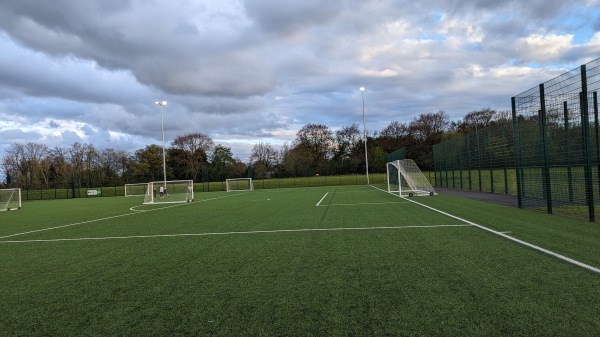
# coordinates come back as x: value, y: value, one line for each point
x: 234, y: 233
x: 525, y: 243
x: 108, y: 218
x: 322, y: 199
x: 364, y: 203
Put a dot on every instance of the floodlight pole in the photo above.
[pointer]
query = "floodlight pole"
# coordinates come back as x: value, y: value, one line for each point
x: 162, y: 104
x: 362, y: 93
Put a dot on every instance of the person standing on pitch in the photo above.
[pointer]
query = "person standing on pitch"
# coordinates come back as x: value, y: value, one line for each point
x: 161, y: 190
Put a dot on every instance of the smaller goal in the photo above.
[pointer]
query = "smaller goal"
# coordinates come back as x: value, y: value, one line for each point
x: 169, y: 192
x: 405, y: 178
x: 136, y: 190
x: 10, y: 199
x: 239, y: 184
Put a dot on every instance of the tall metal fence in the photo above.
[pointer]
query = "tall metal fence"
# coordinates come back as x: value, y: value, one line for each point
x: 481, y: 161
x: 550, y: 155
x: 557, y: 148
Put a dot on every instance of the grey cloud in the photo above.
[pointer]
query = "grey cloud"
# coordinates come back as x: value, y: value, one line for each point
x: 278, y: 17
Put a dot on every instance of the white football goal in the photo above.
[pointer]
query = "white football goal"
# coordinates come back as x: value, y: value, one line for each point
x: 168, y: 192
x: 406, y: 179
x: 135, y: 190
x: 10, y: 199
x: 239, y: 184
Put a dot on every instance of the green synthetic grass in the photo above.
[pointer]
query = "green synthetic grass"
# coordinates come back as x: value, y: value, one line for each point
x: 271, y: 262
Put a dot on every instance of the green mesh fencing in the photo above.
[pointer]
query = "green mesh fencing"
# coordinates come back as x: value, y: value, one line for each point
x: 557, y: 144
x: 396, y: 155
x: 481, y: 161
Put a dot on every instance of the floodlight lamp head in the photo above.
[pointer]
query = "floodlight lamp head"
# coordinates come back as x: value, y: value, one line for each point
x: 161, y: 103
x: 362, y: 89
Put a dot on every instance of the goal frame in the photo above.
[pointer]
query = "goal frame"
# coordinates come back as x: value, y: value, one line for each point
x: 228, y: 181
x: 5, y: 205
x: 136, y: 195
x: 151, y: 198
x: 410, y: 180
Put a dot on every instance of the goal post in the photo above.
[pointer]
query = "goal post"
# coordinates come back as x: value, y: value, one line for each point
x: 169, y: 192
x: 135, y: 190
x: 239, y: 184
x: 406, y: 179
x: 10, y: 199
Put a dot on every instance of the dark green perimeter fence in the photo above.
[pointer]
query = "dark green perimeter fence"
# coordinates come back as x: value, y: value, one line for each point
x: 208, y: 186
x: 550, y: 155
x: 481, y: 161
x: 557, y: 148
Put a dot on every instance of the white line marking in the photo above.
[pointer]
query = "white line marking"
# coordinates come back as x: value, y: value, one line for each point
x: 538, y: 248
x: 233, y: 233
x: 365, y: 203
x: 108, y: 218
x: 322, y: 199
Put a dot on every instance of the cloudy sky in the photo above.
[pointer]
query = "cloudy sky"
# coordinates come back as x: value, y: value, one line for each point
x: 249, y: 71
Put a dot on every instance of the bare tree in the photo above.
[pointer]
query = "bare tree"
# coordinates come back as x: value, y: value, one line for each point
x: 60, y: 164
x: 26, y: 160
x: 426, y: 130
x: 263, y: 153
x: 11, y: 171
x: 429, y: 128
x: 196, y: 148
x: 394, y: 136
x: 348, y: 141
x: 476, y: 120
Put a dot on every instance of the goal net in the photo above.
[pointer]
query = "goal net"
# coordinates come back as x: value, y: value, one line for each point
x: 10, y: 199
x: 405, y: 178
x: 161, y: 192
x: 239, y: 184
x: 134, y: 190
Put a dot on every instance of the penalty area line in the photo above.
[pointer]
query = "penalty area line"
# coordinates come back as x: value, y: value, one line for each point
x: 232, y: 233
x: 318, y: 203
x: 508, y: 237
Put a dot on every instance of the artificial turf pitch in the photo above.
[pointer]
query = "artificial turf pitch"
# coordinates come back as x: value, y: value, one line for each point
x: 326, y: 261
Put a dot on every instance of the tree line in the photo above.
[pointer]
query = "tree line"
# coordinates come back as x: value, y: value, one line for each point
x: 316, y: 150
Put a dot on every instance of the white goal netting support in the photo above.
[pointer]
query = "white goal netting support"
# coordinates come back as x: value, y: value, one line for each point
x: 239, y: 184
x: 169, y: 192
x: 135, y: 190
x: 10, y: 199
x: 405, y: 178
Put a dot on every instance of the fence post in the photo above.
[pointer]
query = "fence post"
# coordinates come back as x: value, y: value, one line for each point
x: 595, y: 96
x: 585, y: 126
x: 544, y: 148
x: 504, y: 145
x: 517, y: 150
